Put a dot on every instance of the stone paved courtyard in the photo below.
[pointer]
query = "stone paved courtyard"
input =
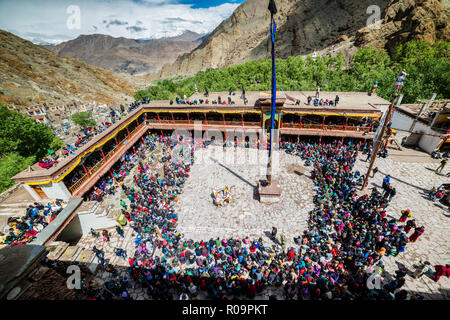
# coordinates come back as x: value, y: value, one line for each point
x: 200, y: 219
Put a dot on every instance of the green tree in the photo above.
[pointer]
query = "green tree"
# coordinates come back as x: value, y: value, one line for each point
x: 22, y: 143
x: 84, y: 119
x: 10, y: 165
x: 19, y: 133
x: 427, y: 65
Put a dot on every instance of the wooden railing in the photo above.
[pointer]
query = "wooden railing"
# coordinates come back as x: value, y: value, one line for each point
x: 312, y: 126
x: 209, y: 122
x: 252, y: 124
x: 291, y: 125
x: 215, y: 123
x: 99, y: 164
x: 327, y: 127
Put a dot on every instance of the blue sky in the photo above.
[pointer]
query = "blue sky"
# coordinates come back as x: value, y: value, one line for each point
x: 54, y: 21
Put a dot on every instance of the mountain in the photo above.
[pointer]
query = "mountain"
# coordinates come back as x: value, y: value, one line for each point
x: 32, y: 74
x: 127, y: 55
x: 187, y: 35
x: 304, y: 27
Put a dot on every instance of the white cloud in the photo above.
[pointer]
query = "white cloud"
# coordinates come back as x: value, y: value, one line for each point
x: 46, y: 20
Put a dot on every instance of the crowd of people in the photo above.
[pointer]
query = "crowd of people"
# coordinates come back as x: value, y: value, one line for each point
x: 333, y: 259
x: 22, y: 230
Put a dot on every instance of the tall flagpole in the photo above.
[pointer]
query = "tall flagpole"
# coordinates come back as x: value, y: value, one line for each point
x: 379, y: 143
x: 273, y: 10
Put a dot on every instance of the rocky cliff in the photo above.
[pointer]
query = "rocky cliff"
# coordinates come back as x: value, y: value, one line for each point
x: 406, y: 20
x: 311, y: 25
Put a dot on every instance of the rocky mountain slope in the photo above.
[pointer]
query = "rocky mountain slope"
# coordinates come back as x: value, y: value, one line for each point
x: 127, y: 55
x: 312, y: 25
x: 406, y: 20
x: 32, y: 74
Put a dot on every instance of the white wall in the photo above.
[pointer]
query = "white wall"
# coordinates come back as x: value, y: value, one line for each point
x: 89, y: 220
x: 401, y: 121
x: 425, y: 138
x: 56, y: 190
x: 429, y: 143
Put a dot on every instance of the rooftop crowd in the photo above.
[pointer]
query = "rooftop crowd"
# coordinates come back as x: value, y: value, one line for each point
x: 22, y: 230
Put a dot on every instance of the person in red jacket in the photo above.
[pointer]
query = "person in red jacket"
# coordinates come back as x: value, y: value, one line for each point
x: 417, y: 233
x: 440, y: 271
x: 251, y: 290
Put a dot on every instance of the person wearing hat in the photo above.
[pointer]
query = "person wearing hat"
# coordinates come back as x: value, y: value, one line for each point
x: 405, y: 215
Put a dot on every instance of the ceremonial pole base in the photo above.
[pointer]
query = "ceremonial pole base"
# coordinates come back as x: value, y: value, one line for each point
x: 269, y: 194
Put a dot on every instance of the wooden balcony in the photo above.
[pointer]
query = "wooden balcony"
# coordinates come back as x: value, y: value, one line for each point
x: 122, y: 146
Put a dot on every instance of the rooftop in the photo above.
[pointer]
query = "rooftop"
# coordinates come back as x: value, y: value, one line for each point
x: 347, y: 100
